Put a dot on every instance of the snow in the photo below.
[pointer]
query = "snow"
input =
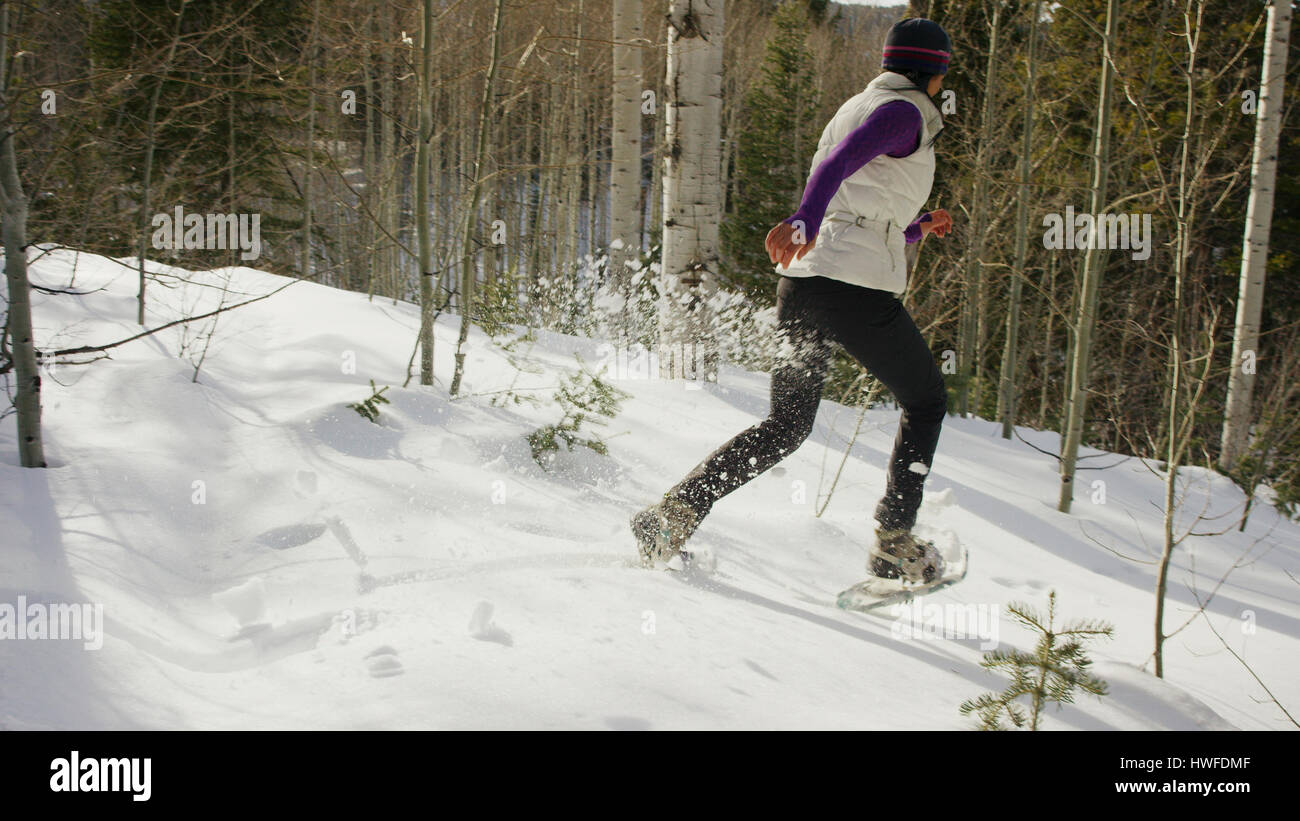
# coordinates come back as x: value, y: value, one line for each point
x: 246, y: 602
x: 267, y: 558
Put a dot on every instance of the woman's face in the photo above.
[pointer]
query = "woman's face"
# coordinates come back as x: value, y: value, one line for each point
x: 936, y: 83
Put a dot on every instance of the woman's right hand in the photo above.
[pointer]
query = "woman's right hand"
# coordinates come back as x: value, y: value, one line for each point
x: 785, y: 243
x: 939, y: 224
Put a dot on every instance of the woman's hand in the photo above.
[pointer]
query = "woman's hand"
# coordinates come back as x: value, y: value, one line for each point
x: 781, y: 244
x: 939, y: 224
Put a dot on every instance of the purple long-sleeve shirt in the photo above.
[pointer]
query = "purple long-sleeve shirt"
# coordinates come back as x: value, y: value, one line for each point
x: 893, y: 129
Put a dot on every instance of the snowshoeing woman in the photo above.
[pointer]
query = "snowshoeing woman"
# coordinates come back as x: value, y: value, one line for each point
x: 871, y: 174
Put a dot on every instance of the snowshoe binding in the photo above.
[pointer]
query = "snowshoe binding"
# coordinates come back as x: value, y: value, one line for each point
x: 662, y: 530
x: 900, y: 555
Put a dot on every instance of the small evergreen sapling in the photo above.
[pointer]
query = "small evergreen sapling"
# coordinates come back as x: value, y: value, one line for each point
x: 522, y: 363
x: 369, y: 408
x: 1051, y: 673
x: 586, y: 399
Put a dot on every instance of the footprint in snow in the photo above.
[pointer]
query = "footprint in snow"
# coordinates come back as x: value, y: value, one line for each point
x: 246, y: 603
x: 1019, y: 584
x: 281, y: 538
x: 382, y: 662
x: 482, y: 628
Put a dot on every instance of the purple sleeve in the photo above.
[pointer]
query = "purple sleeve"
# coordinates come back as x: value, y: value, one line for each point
x: 912, y: 232
x: 892, y: 129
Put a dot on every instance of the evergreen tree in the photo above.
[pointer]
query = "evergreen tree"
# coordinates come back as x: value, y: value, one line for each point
x: 369, y: 407
x: 586, y: 400
x: 226, y: 98
x: 776, y: 143
x: 1051, y: 673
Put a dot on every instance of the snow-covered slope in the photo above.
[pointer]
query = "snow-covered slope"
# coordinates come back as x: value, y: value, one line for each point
x: 266, y: 558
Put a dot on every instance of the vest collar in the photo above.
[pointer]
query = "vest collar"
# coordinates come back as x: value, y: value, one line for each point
x: 893, y: 81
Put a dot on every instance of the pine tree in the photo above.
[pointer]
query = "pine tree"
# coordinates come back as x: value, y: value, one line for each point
x: 586, y: 400
x: 215, y: 104
x: 1051, y: 673
x: 369, y: 408
x: 776, y: 144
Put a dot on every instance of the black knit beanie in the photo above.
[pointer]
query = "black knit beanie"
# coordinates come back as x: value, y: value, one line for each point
x: 919, y: 45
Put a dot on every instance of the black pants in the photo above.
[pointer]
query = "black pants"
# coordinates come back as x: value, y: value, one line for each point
x: 876, y: 330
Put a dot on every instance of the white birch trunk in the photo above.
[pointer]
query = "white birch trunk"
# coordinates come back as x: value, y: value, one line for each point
x: 692, y: 177
x: 625, y: 167
x: 21, y: 344
x: 1259, y: 218
x: 422, y: 216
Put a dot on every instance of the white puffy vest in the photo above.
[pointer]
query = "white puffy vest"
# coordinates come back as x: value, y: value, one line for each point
x: 861, y: 237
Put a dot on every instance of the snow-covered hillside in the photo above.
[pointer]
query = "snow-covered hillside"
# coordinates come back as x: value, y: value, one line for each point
x: 267, y: 558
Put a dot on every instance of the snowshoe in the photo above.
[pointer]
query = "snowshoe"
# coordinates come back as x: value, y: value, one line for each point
x: 662, y: 530
x: 879, y: 590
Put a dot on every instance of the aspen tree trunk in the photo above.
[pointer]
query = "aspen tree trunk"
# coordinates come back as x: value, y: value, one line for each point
x: 595, y: 159
x: 970, y: 318
x: 438, y: 210
x: 1259, y: 218
x: 1093, y: 262
x: 387, y: 161
x: 1007, y: 399
x: 572, y: 179
x: 555, y: 207
x: 369, y: 233
x: 468, y: 272
x: 422, y: 218
x: 538, y: 244
x: 625, y: 167
x: 655, y: 203
x: 21, y: 344
x: 151, y: 121
x: 1049, y: 322
x: 22, y: 347
x: 405, y: 231
x: 231, y: 201
x: 310, y: 166
x: 492, y: 267
x: 558, y: 218
x: 529, y: 184
x: 1071, y: 325
x: 1174, y: 444
x: 692, y: 180
x: 731, y: 160
x: 343, y: 228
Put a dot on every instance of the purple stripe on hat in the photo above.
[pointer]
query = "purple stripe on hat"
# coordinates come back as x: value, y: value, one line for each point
x: 896, y: 49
